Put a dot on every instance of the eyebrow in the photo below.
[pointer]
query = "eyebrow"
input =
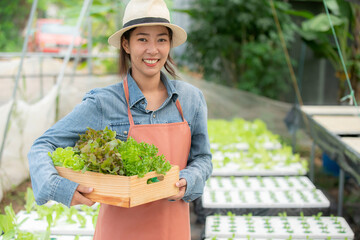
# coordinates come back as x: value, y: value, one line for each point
x: 147, y: 34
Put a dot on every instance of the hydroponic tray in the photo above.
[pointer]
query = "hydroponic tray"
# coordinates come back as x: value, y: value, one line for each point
x: 330, y: 110
x: 219, y: 156
x: 340, y: 125
x: 244, y: 146
x: 235, y: 164
x: 301, y: 198
x: 259, y: 183
x: 68, y: 237
x: 33, y: 224
x: 233, y: 169
x: 278, y: 227
x: 251, y: 238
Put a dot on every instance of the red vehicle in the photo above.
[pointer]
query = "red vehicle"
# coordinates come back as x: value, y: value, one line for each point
x: 51, y: 35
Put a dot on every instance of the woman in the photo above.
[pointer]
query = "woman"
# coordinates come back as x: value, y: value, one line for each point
x: 148, y: 107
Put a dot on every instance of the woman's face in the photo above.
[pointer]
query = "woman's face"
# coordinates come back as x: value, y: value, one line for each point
x: 149, y: 47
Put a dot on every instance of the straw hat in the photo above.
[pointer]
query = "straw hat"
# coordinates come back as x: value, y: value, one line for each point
x: 148, y: 13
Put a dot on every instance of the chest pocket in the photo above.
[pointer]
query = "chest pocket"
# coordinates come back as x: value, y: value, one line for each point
x: 121, y: 129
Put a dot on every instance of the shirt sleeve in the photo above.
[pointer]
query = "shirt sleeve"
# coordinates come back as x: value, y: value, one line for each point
x: 46, y: 182
x: 199, y: 166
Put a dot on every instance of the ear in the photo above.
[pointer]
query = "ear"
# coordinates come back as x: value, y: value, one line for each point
x: 125, y: 45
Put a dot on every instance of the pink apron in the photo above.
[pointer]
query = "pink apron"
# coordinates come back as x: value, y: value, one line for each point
x: 158, y: 220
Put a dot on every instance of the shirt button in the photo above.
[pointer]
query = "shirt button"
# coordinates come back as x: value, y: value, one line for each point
x: 125, y: 132
x: 142, y: 102
x: 154, y: 116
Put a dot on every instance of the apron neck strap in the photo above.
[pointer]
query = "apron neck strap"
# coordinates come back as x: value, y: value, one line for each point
x: 131, y: 120
x: 180, y: 109
x: 126, y: 91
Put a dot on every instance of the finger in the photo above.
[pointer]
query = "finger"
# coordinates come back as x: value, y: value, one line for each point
x: 78, y: 198
x: 83, y: 189
x: 178, y: 196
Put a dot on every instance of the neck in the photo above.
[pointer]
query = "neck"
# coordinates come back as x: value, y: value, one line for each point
x: 148, y: 83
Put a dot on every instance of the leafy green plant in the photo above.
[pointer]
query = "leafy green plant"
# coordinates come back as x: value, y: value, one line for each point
x: 226, y: 135
x: 236, y: 43
x: 29, y: 200
x: 316, y: 32
x: 9, y: 227
x: 100, y: 151
x: 13, y: 18
x: 283, y: 216
x: 8, y: 222
x: 242, y: 196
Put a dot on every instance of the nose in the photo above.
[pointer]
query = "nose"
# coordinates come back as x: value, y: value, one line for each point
x: 152, y: 48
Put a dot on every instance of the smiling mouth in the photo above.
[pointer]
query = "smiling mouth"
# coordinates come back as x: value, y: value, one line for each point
x: 151, y: 62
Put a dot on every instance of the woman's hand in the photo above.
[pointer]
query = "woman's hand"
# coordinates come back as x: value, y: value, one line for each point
x: 181, y: 184
x: 78, y: 198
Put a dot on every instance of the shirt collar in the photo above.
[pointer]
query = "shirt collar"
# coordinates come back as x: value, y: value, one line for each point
x: 136, y: 95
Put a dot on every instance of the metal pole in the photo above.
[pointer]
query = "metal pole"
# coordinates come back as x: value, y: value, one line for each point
x: 294, y: 141
x: 312, y: 160
x: 41, y: 77
x: 84, y: 9
x: 77, y: 58
x: 89, y: 44
x: 23, y: 53
x: 341, y: 191
x: 322, y: 71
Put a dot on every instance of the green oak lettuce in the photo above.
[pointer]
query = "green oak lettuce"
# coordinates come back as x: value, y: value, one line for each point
x: 100, y: 151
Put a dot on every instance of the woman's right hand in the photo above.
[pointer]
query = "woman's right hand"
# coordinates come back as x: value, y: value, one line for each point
x: 79, y: 198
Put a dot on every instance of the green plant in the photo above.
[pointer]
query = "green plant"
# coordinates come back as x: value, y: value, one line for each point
x: 316, y: 32
x: 283, y: 216
x: 236, y: 43
x: 233, y: 181
x: 100, y: 151
x: 242, y: 197
x: 29, y: 200
x: 227, y: 196
x: 13, y: 19
x: 9, y: 227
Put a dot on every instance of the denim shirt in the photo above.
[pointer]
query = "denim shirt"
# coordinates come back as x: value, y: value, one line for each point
x: 107, y: 106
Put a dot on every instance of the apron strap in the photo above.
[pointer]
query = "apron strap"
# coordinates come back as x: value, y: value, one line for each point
x: 126, y: 91
x: 180, y: 109
x: 131, y: 120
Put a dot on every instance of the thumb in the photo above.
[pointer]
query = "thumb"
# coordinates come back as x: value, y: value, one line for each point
x: 181, y: 183
x: 84, y: 189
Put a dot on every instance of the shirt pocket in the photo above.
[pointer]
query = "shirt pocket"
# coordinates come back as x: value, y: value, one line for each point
x: 121, y: 129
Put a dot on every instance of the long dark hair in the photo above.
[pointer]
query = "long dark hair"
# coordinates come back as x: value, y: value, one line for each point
x: 124, y: 58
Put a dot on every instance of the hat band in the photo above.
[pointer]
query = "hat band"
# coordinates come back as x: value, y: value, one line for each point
x: 145, y: 20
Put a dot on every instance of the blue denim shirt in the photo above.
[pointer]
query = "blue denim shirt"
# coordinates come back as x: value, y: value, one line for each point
x: 107, y: 106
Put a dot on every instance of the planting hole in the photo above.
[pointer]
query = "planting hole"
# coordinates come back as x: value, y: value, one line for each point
x: 155, y: 179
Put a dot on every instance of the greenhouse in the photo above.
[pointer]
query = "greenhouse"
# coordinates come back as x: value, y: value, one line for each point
x: 180, y: 119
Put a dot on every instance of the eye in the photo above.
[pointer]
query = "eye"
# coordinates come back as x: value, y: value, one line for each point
x: 163, y: 40
x: 142, y: 39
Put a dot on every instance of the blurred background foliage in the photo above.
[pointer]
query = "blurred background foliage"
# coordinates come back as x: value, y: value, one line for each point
x: 233, y: 42
x: 316, y: 32
x: 13, y: 19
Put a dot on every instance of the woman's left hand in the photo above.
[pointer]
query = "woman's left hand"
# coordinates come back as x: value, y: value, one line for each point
x: 181, y: 184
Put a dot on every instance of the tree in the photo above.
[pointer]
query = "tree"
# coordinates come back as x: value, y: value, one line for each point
x: 235, y: 42
x: 13, y: 17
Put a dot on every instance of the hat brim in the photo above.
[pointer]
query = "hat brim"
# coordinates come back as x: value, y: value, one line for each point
x: 178, y: 38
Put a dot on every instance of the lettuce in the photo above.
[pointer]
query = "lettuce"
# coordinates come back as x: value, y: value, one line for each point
x: 100, y: 151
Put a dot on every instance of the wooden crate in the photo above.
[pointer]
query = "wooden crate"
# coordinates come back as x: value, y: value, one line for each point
x: 124, y: 191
